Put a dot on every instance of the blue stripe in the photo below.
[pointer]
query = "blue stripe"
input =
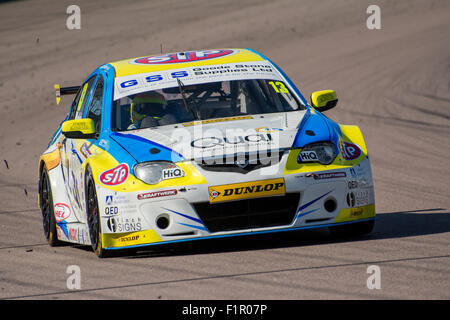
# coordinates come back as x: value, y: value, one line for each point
x: 63, y: 226
x: 192, y: 226
x: 132, y: 136
x: 243, y: 234
x: 137, y: 146
x: 186, y: 216
x: 313, y: 201
x: 305, y: 213
x: 74, y: 151
x: 115, y: 150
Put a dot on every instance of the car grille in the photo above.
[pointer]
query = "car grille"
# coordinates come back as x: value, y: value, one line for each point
x: 247, y: 162
x: 249, y: 213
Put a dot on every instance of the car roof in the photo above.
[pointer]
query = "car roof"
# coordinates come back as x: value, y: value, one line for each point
x: 177, y: 60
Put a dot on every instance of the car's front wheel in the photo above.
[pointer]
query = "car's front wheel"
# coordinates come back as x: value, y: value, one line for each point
x: 93, y: 216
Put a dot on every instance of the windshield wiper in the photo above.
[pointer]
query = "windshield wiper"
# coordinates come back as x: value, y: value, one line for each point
x: 183, y: 95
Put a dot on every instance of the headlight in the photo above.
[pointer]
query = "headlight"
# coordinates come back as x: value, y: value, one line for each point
x: 323, y: 152
x: 156, y: 171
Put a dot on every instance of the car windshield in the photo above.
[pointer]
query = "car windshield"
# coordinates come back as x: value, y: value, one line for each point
x: 205, y: 101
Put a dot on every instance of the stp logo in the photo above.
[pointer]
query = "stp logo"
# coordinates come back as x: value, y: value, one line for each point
x: 349, y: 150
x: 214, y: 194
x: 62, y: 212
x: 180, y: 57
x: 115, y: 176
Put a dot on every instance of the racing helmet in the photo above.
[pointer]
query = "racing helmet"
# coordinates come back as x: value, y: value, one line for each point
x: 147, y: 104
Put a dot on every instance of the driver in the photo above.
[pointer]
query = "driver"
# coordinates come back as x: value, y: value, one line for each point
x: 148, y: 105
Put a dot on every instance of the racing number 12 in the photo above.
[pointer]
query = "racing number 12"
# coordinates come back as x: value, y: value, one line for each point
x: 279, y: 87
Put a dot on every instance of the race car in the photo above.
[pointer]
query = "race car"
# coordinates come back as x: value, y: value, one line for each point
x: 198, y: 145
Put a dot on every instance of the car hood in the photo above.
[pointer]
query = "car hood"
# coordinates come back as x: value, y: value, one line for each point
x: 224, y: 138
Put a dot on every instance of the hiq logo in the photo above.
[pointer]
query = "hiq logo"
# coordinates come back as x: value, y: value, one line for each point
x: 172, y: 173
x: 307, y: 156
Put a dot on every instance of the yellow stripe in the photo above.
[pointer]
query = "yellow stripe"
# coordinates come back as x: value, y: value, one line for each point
x: 83, y: 93
x: 193, y: 123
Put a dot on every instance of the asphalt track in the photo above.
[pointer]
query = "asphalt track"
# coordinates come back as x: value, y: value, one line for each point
x: 393, y: 82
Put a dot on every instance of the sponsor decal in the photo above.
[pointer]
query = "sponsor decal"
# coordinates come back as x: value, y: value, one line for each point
x: 358, y: 172
x: 246, y: 190
x: 180, y: 57
x: 111, y: 211
x: 266, y: 129
x: 157, y: 194
x: 329, y: 175
x: 214, y: 194
x: 307, y: 156
x: 109, y: 200
x: 112, y: 224
x: 352, y: 184
x: 85, y: 150
x: 131, y: 238
x: 62, y: 212
x: 210, y: 142
x: 358, y: 198
x: 115, y: 176
x: 115, y: 224
x: 73, y: 234
x: 155, y: 80
x: 116, y: 199
x: 170, y: 173
x: 349, y: 150
x: 351, y: 199
x: 355, y: 212
x: 193, y: 123
x: 361, y: 198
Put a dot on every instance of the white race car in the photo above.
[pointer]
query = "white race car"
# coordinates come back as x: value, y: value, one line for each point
x: 196, y: 145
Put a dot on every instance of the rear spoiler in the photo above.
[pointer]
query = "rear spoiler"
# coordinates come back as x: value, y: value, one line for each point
x: 63, y: 91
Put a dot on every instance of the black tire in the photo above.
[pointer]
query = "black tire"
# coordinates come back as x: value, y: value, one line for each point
x: 352, y: 229
x: 93, y: 216
x: 47, y: 209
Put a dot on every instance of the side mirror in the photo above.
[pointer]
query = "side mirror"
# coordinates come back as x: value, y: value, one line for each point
x: 79, y: 129
x: 324, y: 100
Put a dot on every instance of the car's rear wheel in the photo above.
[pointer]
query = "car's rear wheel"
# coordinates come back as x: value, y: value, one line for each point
x: 353, y: 229
x: 47, y: 209
x: 93, y: 216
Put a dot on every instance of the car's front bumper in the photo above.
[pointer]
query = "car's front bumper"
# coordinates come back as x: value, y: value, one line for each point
x: 184, y: 213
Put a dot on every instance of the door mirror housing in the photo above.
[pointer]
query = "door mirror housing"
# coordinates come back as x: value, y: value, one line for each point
x: 324, y: 100
x: 79, y: 129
